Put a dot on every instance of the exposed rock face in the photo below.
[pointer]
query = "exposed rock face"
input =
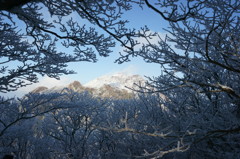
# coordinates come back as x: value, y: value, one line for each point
x: 107, y: 91
x: 76, y: 86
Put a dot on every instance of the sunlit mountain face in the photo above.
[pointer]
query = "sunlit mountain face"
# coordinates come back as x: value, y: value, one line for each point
x: 108, y: 86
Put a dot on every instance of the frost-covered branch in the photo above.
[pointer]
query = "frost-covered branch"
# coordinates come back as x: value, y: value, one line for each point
x: 42, y: 37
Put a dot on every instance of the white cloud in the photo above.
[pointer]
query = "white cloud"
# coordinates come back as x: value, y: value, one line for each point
x: 51, y: 82
x: 154, y: 40
x: 44, y: 81
x: 48, y: 82
x: 129, y: 70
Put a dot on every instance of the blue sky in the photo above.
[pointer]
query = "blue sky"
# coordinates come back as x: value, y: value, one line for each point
x: 105, y: 65
x: 86, y: 71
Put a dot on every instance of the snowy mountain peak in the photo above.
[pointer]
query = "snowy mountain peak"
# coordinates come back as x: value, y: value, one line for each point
x: 118, y: 80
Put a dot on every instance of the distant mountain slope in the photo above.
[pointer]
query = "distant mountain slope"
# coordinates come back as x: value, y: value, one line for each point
x: 108, y: 86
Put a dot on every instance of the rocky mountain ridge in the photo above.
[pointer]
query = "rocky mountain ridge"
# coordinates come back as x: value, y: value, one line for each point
x: 108, y: 86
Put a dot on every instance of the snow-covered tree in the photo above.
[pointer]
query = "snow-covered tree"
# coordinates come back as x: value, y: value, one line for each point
x: 20, y: 123
x: 200, y: 77
x: 52, y: 125
x: 73, y: 131
x: 39, y: 37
